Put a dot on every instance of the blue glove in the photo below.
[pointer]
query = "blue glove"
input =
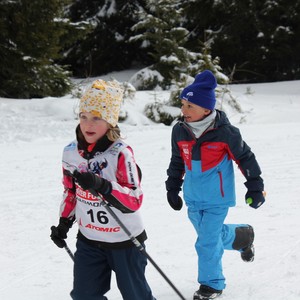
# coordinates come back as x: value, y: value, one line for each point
x: 255, y: 195
x: 174, y: 199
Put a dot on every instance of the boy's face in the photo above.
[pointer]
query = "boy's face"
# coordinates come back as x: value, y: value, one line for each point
x: 92, y: 127
x: 192, y: 112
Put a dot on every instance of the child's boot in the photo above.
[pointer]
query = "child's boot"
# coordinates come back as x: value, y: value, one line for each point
x: 247, y: 254
x: 244, y: 242
x: 206, y: 293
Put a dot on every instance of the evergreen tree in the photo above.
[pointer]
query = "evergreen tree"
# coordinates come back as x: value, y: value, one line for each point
x: 238, y: 39
x: 279, y: 40
x: 163, y: 38
x: 230, y: 25
x: 31, y: 32
x: 105, y: 48
x: 174, y: 65
x: 257, y: 40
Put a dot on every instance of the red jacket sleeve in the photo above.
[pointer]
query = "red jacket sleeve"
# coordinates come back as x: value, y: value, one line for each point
x: 126, y: 190
x: 67, y: 207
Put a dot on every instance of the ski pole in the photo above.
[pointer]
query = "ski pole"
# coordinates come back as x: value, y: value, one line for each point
x: 140, y: 246
x: 69, y: 251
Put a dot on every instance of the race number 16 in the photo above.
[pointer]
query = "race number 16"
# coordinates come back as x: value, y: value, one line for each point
x: 101, y: 216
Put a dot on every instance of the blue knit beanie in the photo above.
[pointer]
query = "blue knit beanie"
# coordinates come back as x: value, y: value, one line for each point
x: 202, y: 91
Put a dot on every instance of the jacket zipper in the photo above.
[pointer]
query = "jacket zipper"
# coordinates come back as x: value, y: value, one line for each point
x: 221, y: 183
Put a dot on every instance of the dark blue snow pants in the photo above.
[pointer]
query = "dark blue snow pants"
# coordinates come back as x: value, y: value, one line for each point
x: 93, y: 267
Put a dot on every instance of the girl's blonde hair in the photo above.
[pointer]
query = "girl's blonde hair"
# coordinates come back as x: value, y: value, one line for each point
x: 113, y: 133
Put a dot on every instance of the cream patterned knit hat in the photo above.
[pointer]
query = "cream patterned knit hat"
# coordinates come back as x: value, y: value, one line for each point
x: 103, y: 99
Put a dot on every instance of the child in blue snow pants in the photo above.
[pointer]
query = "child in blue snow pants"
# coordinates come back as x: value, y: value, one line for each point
x: 204, y: 145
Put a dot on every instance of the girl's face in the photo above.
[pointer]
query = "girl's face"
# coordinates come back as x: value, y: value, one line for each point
x: 192, y: 112
x: 93, y: 128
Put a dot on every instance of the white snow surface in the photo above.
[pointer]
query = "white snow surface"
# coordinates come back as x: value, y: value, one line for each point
x: 33, y: 133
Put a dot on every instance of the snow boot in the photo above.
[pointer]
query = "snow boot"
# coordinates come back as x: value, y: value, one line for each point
x: 247, y: 254
x: 206, y: 293
x: 244, y: 237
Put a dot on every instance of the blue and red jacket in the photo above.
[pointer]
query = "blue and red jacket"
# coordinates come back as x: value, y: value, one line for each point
x: 204, y: 165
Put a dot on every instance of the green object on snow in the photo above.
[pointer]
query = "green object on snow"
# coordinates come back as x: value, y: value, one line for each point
x: 249, y: 200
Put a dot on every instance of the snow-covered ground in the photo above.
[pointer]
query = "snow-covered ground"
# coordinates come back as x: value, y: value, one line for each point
x: 33, y: 134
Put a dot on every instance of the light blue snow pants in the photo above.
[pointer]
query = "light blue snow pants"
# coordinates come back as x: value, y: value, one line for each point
x: 213, y: 238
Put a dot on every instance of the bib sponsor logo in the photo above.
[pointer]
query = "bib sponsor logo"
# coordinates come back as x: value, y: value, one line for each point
x: 83, y: 194
x: 103, y: 229
x: 97, y: 167
x: 91, y: 203
x: 115, y: 149
x: 130, y: 172
x: 70, y: 147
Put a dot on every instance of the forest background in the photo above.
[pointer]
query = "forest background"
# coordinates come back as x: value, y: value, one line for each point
x: 45, y: 43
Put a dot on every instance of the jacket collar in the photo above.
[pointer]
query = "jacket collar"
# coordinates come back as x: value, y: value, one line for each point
x: 100, y: 146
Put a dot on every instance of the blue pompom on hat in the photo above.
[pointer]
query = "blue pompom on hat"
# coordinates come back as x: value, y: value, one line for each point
x: 202, y: 91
